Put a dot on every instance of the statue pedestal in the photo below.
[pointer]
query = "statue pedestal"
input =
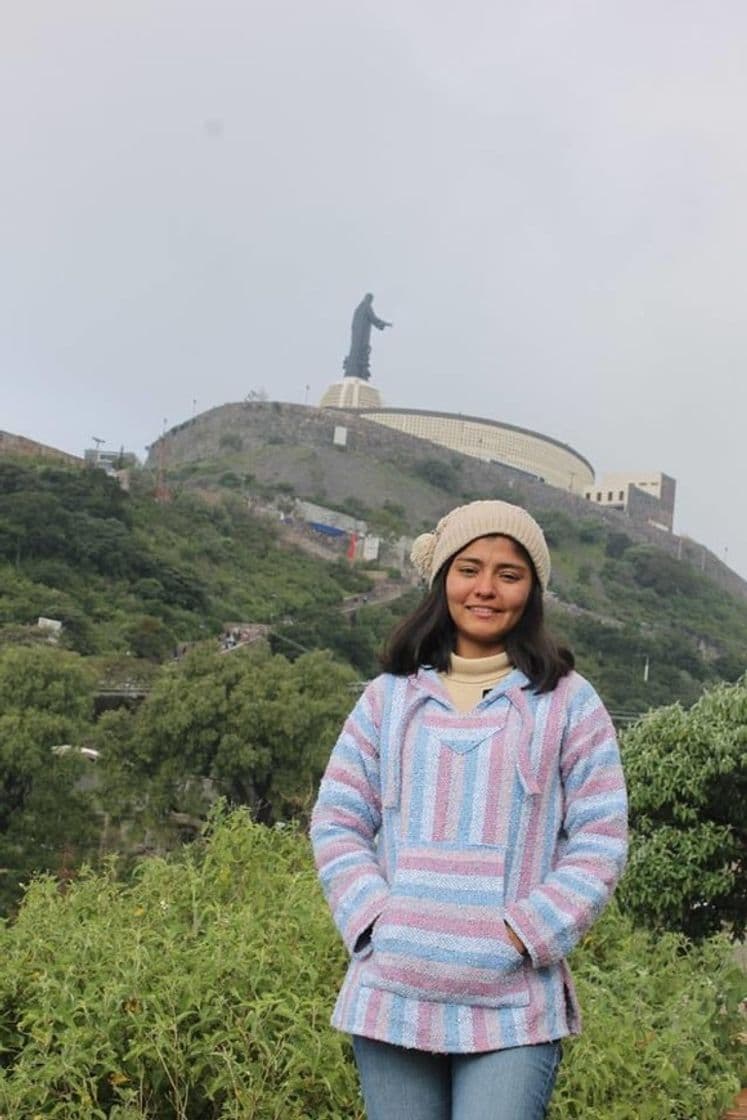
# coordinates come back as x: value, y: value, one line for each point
x: 351, y: 393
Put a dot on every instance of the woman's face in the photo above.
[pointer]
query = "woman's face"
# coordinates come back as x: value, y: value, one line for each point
x: 487, y: 587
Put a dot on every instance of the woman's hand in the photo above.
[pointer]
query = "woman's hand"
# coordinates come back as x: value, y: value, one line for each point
x: 515, y: 940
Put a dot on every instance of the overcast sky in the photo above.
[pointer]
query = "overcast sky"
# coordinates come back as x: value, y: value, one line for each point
x: 546, y: 197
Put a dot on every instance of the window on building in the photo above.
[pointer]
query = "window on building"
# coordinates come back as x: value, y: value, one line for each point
x: 599, y: 495
x: 621, y: 496
x: 609, y: 495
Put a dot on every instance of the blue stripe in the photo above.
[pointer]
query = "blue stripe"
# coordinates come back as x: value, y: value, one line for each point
x: 441, y: 894
x: 551, y: 825
x: 550, y: 988
x: 404, y: 947
x: 417, y: 783
x: 574, y: 883
x: 471, y: 764
x: 343, y: 797
x: 509, y: 1034
x: 451, y: 1027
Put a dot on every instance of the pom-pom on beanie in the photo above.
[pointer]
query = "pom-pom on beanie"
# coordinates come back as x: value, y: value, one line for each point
x: 430, y: 551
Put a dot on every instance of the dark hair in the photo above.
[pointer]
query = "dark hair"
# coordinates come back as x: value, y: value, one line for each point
x: 427, y: 637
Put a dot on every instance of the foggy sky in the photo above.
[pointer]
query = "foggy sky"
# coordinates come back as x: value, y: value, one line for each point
x: 547, y: 198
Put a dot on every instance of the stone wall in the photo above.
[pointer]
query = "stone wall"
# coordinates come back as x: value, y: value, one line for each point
x: 294, y: 442
x: 19, y: 445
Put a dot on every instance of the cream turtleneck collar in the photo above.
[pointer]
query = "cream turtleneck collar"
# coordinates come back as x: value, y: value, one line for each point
x: 470, y: 678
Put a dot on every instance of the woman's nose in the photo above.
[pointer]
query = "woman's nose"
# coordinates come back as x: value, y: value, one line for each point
x: 485, y: 584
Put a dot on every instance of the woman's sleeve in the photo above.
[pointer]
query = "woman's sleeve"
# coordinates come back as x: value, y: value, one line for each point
x: 556, y: 913
x: 344, y: 825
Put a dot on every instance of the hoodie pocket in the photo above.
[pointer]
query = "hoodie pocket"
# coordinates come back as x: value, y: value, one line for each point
x: 441, y: 935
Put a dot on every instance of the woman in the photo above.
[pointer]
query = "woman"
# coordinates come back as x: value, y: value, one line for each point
x: 470, y: 826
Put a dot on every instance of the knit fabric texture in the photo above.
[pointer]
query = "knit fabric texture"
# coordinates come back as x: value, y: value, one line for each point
x: 437, y: 827
x: 430, y: 551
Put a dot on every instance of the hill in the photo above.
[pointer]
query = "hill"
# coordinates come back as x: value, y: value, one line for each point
x: 652, y: 617
x: 133, y: 579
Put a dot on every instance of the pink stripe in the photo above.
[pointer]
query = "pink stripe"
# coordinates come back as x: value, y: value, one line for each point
x: 553, y: 733
x: 454, y: 809
x: 593, y: 731
x: 437, y: 1025
x: 479, y: 1029
x: 360, y: 740
x: 446, y: 724
x: 615, y: 829
x: 443, y: 781
x: 336, y: 848
x: 456, y: 863
x: 372, y: 1011
x: 385, y: 1013
x: 430, y: 980
x: 531, y: 854
x: 343, y: 881
x: 491, y: 823
x: 562, y: 902
x: 602, y: 783
x: 348, y: 778
x: 423, y: 1030
x: 398, y: 914
x: 338, y: 819
x: 351, y: 989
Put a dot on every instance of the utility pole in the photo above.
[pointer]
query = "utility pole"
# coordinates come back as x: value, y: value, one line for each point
x: 98, y: 443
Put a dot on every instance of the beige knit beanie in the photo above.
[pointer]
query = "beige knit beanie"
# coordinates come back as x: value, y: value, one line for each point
x: 480, y: 519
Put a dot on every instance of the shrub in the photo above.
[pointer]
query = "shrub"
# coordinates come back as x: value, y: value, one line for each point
x: 202, y: 990
x: 231, y: 441
x: 687, y: 774
x: 436, y: 472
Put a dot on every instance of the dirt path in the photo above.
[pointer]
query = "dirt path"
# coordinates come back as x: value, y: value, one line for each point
x: 738, y: 1111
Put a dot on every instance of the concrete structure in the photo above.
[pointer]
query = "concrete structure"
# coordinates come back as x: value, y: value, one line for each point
x: 11, y: 444
x: 314, y: 514
x: 110, y: 461
x: 351, y: 392
x: 538, y: 456
x: 649, y: 495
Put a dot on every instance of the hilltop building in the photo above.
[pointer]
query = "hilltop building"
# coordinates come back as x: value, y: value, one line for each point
x: 533, y: 454
x: 109, y: 461
x: 351, y: 393
x: 649, y: 495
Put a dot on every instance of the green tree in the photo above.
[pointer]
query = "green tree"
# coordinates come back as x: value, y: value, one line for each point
x: 46, y: 822
x: 256, y: 726
x: 687, y: 774
x: 148, y: 637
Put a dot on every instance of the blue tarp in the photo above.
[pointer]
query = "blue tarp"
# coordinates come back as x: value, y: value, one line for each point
x: 328, y: 530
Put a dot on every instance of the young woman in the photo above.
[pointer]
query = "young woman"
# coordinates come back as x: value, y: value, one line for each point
x: 470, y: 826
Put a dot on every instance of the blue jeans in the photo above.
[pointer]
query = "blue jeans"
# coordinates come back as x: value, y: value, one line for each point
x: 400, y: 1084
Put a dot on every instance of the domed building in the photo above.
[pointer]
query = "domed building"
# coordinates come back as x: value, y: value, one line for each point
x: 537, y: 455
x: 352, y: 393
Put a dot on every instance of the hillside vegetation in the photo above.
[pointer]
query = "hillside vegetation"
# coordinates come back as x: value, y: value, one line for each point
x: 201, y: 990
x: 199, y: 985
x: 125, y: 574
x: 129, y: 576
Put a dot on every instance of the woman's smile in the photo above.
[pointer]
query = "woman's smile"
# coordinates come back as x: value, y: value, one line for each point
x: 487, y: 588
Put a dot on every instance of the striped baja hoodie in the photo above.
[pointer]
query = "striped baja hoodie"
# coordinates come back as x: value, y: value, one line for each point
x: 433, y: 826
